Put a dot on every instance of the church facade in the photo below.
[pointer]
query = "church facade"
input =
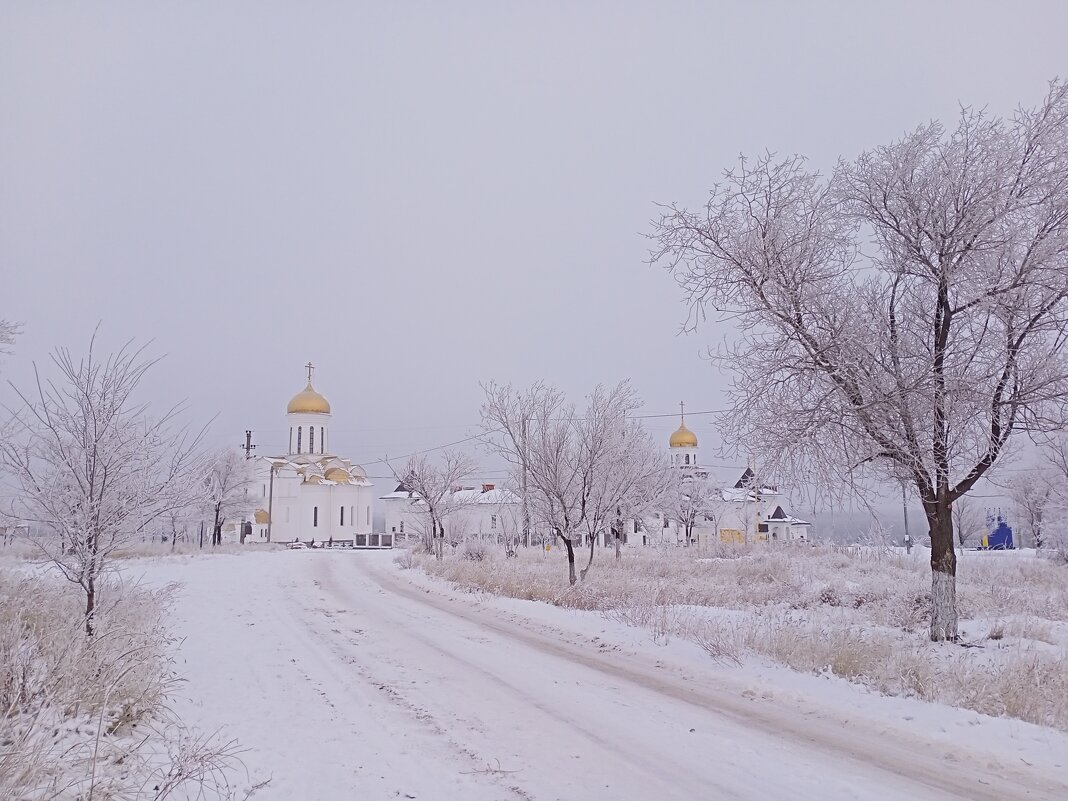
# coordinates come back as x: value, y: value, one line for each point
x: 309, y: 493
x: 750, y: 511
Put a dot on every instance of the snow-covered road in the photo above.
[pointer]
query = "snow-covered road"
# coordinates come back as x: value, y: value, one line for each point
x: 348, y: 678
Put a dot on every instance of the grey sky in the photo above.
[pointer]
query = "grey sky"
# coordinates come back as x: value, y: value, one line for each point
x: 418, y: 197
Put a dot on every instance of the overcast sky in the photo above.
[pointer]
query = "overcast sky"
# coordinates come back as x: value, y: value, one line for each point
x: 421, y: 196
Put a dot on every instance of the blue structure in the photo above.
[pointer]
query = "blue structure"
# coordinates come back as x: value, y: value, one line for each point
x: 1000, y: 536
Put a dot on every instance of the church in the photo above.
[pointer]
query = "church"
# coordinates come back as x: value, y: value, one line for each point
x: 750, y: 511
x: 310, y: 494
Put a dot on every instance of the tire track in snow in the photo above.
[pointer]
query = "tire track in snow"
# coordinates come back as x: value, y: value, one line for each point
x: 641, y: 766
x: 928, y: 770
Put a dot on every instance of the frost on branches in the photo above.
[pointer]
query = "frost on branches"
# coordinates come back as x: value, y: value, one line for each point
x: 227, y: 478
x: 919, y: 360
x: 435, y: 484
x: 90, y: 466
x: 585, y: 473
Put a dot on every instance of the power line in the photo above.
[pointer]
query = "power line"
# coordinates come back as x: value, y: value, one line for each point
x: 484, y: 434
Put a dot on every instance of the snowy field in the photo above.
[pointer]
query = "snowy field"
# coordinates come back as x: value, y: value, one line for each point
x: 345, y: 676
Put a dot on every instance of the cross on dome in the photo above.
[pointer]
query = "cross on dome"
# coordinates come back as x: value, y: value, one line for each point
x: 308, y: 401
x: 683, y: 437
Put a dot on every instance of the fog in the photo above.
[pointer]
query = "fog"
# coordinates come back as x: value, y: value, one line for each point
x: 422, y: 197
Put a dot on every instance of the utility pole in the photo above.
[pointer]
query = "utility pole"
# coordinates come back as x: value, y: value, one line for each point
x: 270, y: 502
x: 526, y: 510
x: 905, y: 513
x: 248, y: 447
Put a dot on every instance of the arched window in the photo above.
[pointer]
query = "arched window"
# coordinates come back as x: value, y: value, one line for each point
x: 322, y: 440
x: 291, y: 439
x: 311, y: 439
x: 342, y: 515
x: 299, y: 430
x: 687, y: 458
x: 315, y: 516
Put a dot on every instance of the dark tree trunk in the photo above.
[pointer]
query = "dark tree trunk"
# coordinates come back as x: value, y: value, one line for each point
x: 943, y: 571
x: 586, y: 569
x: 90, y: 605
x: 570, y: 561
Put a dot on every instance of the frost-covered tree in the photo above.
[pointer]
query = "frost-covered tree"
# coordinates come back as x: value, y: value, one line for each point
x: 584, y: 472
x: 921, y: 358
x: 8, y: 332
x: 435, y: 481
x: 90, y: 466
x: 693, y: 502
x: 968, y: 519
x: 227, y: 478
x: 1032, y: 493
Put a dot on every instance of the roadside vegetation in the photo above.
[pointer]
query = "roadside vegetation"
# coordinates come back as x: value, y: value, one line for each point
x: 858, y: 613
x: 89, y: 717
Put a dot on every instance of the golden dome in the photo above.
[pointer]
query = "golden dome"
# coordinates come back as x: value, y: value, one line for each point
x: 683, y: 438
x: 308, y: 401
x: 338, y: 475
x: 262, y: 517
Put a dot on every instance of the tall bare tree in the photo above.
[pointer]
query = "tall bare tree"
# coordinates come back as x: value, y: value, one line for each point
x: 920, y: 360
x: 91, y: 467
x: 583, y: 472
x: 227, y: 478
x: 435, y: 482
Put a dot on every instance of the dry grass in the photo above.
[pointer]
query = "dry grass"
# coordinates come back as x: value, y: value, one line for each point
x: 86, y: 716
x: 855, y: 613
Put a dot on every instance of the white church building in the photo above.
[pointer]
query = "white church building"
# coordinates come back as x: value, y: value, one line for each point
x: 747, y: 512
x: 311, y: 494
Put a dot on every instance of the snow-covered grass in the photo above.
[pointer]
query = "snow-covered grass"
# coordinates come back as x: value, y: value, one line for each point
x: 25, y: 550
x: 858, y: 613
x: 88, y: 717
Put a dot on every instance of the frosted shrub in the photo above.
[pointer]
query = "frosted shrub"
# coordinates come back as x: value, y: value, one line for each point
x: 473, y: 551
x: 81, y: 714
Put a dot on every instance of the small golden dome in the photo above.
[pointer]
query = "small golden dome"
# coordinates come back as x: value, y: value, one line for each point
x: 308, y: 401
x: 262, y: 517
x: 683, y: 438
x: 338, y: 475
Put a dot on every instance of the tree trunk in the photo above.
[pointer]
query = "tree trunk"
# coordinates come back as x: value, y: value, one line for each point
x: 90, y: 604
x: 619, y: 543
x: 570, y: 561
x: 439, y: 545
x: 943, y: 572
x: 586, y: 569
x: 216, y: 529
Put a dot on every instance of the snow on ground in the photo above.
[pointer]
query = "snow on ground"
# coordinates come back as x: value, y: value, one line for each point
x: 347, y: 677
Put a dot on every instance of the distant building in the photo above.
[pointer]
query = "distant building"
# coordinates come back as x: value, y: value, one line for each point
x: 481, y: 512
x: 749, y: 511
x: 753, y: 511
x: 310, y: 493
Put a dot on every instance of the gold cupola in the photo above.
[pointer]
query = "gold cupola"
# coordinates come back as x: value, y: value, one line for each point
x: 683, y: 437
x: 308, y: 401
